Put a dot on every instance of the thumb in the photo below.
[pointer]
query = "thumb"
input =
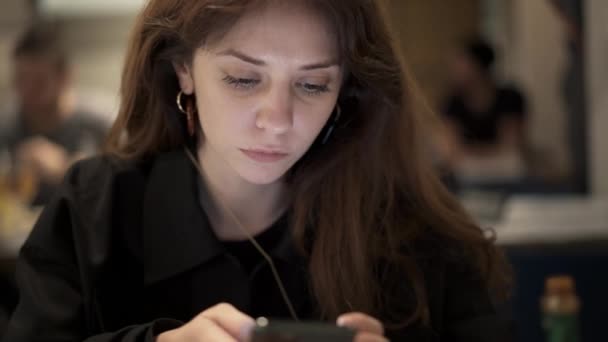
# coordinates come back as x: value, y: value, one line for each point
x: 234, y: 322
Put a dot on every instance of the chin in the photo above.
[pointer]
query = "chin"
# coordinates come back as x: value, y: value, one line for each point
x: 263, y: 176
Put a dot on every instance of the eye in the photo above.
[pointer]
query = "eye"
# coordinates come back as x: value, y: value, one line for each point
x: 241, y: 83
x: 313, y: 89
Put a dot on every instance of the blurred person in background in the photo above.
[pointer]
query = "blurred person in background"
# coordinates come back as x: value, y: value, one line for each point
x: 485, y: 122
x: 48, y: 132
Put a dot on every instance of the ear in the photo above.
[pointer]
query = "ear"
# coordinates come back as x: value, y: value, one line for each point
x: 184, y: 76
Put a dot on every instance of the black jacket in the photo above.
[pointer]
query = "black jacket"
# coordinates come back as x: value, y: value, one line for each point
x: 124, y: 252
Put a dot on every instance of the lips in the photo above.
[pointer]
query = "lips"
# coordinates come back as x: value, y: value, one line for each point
x: 264, y: 156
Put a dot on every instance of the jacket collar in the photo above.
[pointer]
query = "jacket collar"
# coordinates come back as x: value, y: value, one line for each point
x: 177, y: 235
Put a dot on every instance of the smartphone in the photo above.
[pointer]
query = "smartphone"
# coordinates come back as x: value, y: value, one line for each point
x: 287, y: 331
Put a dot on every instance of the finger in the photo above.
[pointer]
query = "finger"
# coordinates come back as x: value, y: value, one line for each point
x: 230, y: 319
x: 208, y: 330
x: 361, y: 322
x: 369, y: 337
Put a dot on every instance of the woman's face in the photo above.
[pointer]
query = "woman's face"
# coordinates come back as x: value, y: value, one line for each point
x: 264, y: 91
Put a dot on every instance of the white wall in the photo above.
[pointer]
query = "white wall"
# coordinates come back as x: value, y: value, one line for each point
x: 90, y: 7
x: 97, y: 47
x: 536, y: 57
x: 597, y: 83
x: 96, y: 33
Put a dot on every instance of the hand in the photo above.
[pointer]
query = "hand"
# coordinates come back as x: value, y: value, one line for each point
x: 220, y: 323
x: 46, y: 159
x: 368, y: 328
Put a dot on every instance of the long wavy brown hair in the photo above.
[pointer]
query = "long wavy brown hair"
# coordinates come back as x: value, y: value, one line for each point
x: 368, y: 203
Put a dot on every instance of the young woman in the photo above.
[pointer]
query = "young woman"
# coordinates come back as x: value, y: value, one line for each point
x: 267, y: 161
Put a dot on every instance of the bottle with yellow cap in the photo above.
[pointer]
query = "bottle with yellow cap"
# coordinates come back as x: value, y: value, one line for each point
x: 560, y: 306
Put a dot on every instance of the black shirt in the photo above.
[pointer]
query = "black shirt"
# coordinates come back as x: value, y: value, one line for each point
x: 481, y: 127
x: 124, y: 251
x: 247, y: 254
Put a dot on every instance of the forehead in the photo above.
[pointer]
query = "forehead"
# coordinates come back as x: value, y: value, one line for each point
x: 288, y: 28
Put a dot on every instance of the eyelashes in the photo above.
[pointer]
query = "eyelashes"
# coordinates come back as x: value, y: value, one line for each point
x: 307, y: 88
x: 313, y: 89
x: 241, y: 83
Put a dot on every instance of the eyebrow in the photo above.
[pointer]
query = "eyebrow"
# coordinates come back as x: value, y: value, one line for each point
x: 259, y: 62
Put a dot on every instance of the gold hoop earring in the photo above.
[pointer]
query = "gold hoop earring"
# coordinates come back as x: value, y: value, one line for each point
x: 188, y: 112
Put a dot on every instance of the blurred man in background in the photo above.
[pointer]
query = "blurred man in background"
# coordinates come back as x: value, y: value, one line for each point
x: 47, y: 133
x: 485, y: 121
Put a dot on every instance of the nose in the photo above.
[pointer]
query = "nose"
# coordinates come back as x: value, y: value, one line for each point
x: 276, y: 113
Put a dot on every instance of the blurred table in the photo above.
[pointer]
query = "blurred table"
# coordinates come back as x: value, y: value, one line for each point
x: 552, y: 220
x: 548, y: 235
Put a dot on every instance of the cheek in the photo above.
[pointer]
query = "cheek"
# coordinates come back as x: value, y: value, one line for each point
x: 220, y: 115
x: 309, y: 123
